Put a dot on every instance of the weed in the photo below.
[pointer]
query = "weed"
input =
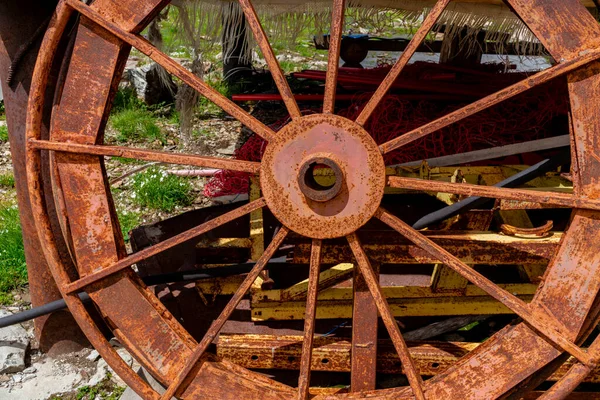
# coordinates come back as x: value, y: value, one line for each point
x: 124, y: 160
x: 128, y: 221
x: 135, y: 124
x: 126, y: 99
x: 3, y: 134
x: 2, y: 111
x: 105, y: 390
x: 204, y: 133
x: 7, y: 180
x: 156, y: 189
x: 13, y: 270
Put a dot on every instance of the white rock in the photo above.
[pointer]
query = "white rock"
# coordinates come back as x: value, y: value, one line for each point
x: 17, y: 378
x: 30, y: 370
x: 51, y: 378
x: 93, y: 356
x: 14, y: 342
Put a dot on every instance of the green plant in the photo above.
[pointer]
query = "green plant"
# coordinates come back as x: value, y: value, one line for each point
x: 2, y: 111
x: 13, y: 270
x: 156, y: 189
x: 128, y: 221
x: 7, y: 180
x: 126, y: 99
x: 3, y: 134
x: 135, y: 124
x: 203, y: 133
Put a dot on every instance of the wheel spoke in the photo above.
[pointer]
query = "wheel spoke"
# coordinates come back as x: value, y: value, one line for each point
x: 491, y: 100
x: 391, y: 77
x: 372, y: 282
x: 216, y: 326
x: 274, y: 67
x: 163, y: 246
x: 148, y: 155
x: 335, y: 43
x: 574, y: 377
x: 493, y: 192
x: 543, y: 324
x: 176, y: 69
x: 309, y: 319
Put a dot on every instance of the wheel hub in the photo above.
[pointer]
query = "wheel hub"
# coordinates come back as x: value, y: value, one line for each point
x: 305, y: 204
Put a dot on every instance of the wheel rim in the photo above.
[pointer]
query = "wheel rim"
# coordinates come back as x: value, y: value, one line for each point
x: 560, y: 315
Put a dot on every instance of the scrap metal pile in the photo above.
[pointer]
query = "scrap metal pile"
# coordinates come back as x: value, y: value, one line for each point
x: 344, y: 275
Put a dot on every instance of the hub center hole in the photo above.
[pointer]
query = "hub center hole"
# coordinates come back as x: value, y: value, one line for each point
x: 319, y: 176
x: 320, y: 179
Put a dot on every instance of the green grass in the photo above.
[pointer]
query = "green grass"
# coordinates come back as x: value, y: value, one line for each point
x: 3, y: 134
x: 136, y: 124
x: 156, y: 189
x: 13, y: 270
x: 128, y: 222
x: 7, y: 180
x: 125, y: 99
x: 203, y: 133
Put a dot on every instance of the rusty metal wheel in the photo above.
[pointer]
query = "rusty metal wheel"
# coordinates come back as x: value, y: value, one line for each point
x: 551, y: 328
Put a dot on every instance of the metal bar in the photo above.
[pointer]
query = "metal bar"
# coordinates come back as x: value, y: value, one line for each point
x: 575, y: 376
x: 548, y: 326
x: 309, y: 320
x: 267, y: 50
x: 416, y: 383
x: 493, y: 192
x: 363, y: 373
x: 495, y: 152
x: 327, y: 279
x: 176, y: 69
x: 282, y: 352
x: 520, y: 178
x: 391, y: 77
x: 162, y: 246
x: 216, y: 326
x: 148, y: 155
x: 491, y: 100
x: 472, y: 248
x: 335, y: 44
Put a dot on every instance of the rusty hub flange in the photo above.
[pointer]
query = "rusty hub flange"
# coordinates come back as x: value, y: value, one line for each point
x: 358, y: 168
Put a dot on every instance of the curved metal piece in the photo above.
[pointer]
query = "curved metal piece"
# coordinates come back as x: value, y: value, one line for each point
x: 557, y: 320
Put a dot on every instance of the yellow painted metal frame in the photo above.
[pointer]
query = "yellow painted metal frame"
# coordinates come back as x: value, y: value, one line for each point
x: 448, y: 292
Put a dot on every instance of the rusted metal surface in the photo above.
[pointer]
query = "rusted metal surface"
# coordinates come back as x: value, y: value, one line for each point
x: 540, y: 231
x: 471, y: 248
x: 123, y: 263
x: 148, y: 155
x: 57, y: 333
x: 309, y: 320
x: 410, y: 50
x: 364, y: 335
x: 347, y: 145
x: 562, y: 313
x: 282, y: 352
x: 265, y: 46
x: 335, y: 45
x: 365, y: 268
x: 313, y: 189
x: 556, y: 199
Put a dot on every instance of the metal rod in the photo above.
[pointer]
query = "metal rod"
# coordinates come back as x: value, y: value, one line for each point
x: 176, y: 69
x: 471, y: 202
x: 164, y: 245
x: 148, y: 155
